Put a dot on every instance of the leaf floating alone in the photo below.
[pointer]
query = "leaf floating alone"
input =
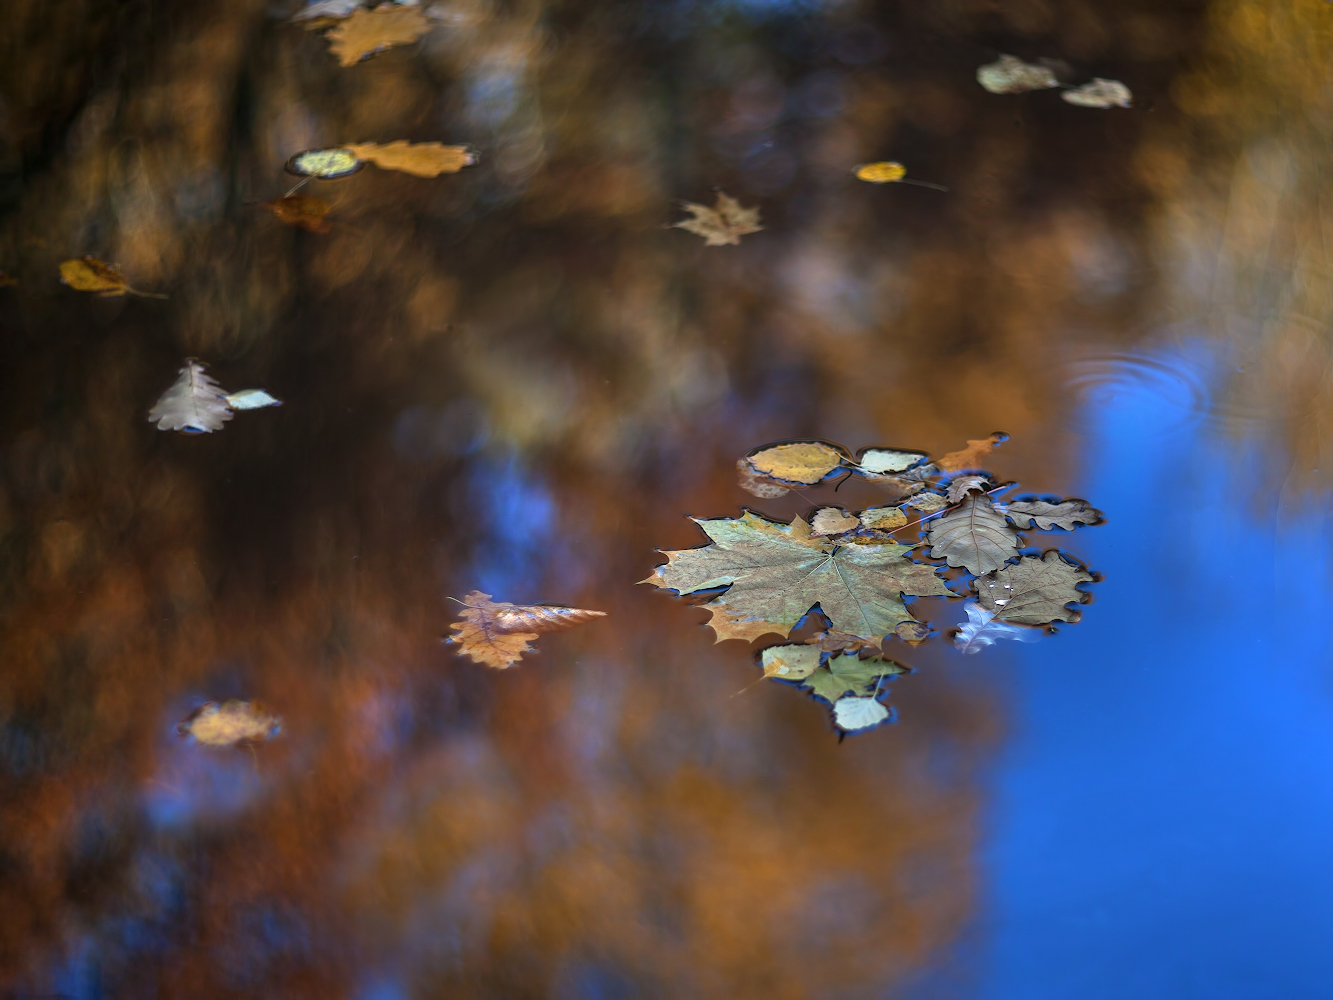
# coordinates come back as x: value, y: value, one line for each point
x: 301, y: 210
x: 497, y: 633
x: 1011, y: 75
x: 884, y: 172
x: 790, y: 662
x: 967, y: 458
x: 848, y: 673
x: 853, y: 714
x: 88, y: 274
x: 326, y: 164
x: 420, y: 159
x: 195, y: 403
x: 230, y: 723
x: 778, y: 572
x: 753, y: 483
x: 983, y: 629
x: 251, y: 399
x: 1034, y: 591
x: 802, y: 462
x: 974, y: 536
x: 1045, y: 516
x: 1100, y: 94
x: 366, y: 32
x: 722, y: 225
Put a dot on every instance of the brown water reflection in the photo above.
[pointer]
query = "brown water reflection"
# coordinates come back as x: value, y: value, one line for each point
x: 517, y: 375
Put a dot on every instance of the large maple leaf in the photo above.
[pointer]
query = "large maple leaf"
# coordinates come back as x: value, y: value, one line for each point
x: 778, y: 572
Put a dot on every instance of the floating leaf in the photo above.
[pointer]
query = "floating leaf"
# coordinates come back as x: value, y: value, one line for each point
x: 327, y: 164
x: 974, y: 535
x: 832, y: 521
x: 1066, y: 514
x: 301, y: 210
x: 847, y: 672
x: 778, y: 572
x: 497, y: 633
x: 983, y: 629
x: 791, y: 662
x: 420, y: 159
x: 366, y: 32
x: 88, y: 274
x: 884, y: 172
x: 1100, y: 94
x: 757, y: 485
x: 251, y: 399
x: 852, y: 714
x: 927, y: 503
x: 801, y: 462
x: 723, y: 224
x: 194, y: 404
x: 880, y: 460
x: 967, y: 458
x: 230, y: 723
x: 1010, y: 75
x: 1034, y: 591
x: 964, y: 485
x: 913, y: 632
x: 883, y: 518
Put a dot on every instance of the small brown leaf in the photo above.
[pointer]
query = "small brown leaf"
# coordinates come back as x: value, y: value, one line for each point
x: 722, y: 225
x: 301, y: 210
x: 497, y: 633
x: 964, y: 485
x: 832, y: 521
x: 967, y: 457
x: 913, y: 632
x: 420, y: 159
x: 366, y: 32
x: 802, y: 462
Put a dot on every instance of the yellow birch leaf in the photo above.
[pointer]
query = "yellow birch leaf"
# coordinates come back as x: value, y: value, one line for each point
x: 883, y: 172
x: 804, y: 462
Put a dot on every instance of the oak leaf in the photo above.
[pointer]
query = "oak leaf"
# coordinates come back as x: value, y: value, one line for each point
x: 420, y: 159
x: 967, y: 458
x: 497, y: 633
x: 195, y: 403
x: 801, y: 462
x: 1100, y: 93
x: 974, y: 535
x: 366, y: 32
x: 777, y: 572
x: 847, y: 672
x: 1011, y: 75
x: 301, y: 210
x: 984, y: 629
x: 1034, y: 591
x: 230, y: 723
x: 722, y: 225
x: 853, y: 714
x: 88, y: 274
x: 964, y: 485
x: 1045, y: 516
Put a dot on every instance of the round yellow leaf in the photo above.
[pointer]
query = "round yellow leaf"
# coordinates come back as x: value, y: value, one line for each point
x: 881, y: 173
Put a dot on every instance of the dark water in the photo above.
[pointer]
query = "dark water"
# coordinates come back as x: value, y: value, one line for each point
x: 516, y: 379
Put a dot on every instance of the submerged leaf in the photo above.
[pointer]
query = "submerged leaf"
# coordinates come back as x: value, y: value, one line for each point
x: 778, y: 572
x: 1044, y: 515
x: 195, y: 404
x: 852, y: 714
x: 983, y: 629
x: 967, y: 458
x: 420, y: 159
x: 832, y: 521
x: 1011, y: 75
x: 722, y: 225
x: 974, y: 536
x: 301, y: 210
x: 1100, y: 93
x: 884, y: 172
x: 757, y: 485
x: 230, y: 723
x: 791, y: 662
x: 328, y: 164
x: 913, y: 632
x: 251, y: 399
x: 1034, y: 591
x: 366, y: 32
x: 847, y: 672
x: 497, y: 633
x: 801, y: 462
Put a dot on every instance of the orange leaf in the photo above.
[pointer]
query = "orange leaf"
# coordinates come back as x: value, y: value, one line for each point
x: 497, y: 633
x: 967, y: 457
x: 88, y: 274
x: 368, y: 31
x: 421, y: 159
x: 301, y: 210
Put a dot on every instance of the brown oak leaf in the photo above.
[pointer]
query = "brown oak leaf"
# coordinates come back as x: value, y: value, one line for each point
x: 967, y: 457
x: 497, y: 633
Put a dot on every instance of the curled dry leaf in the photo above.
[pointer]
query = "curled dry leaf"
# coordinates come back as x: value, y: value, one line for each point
x: 1034, y: 591
x: 848, y: 673
x: 778, y: 572
x: 883, y: 518
x: 497, y: 633
x: 757, y: 485
x: 1067, y: 514
x: 195, y: 403
x: 722, y: 225
x: 790, y: 662
x: 964, y: 485
x: 983, y: 629
x: 88, y: 274
x: 366, y: 32
x: 853, y: 714
x: 881, y: 460
x: 832, y: 521
x: 420, y: 159
x: 802, y: 462
x: 884, y: 172
x: 230, y: 723
x: 967, y: 458
x: 974, y: 535
x: 301, y: 210
x: 1011, y: 75
x: 1100, y: 94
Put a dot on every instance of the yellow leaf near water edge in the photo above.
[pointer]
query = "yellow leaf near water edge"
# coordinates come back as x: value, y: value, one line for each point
x: 884, y: 172
x: 804, y: 462
x: 420, y: 159
x: 369, y: 31
x: 497, y: 633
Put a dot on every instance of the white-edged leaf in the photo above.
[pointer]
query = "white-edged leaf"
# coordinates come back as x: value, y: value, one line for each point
x: 195, y: 404
x: 251, y: 399
x: 851, y: 714
x: 983, y: 630
x: 884, y: 460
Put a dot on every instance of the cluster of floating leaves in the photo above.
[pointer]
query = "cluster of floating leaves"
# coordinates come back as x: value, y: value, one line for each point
x: 769, y: 576
x: 1011, y: 75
